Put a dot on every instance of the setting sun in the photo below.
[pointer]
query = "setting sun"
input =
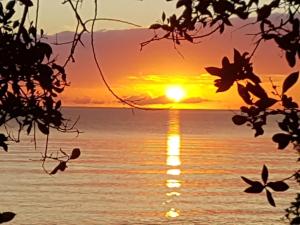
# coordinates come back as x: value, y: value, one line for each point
x: 175, y: 93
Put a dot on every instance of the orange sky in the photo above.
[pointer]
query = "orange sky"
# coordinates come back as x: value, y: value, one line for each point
x: 145, y: 75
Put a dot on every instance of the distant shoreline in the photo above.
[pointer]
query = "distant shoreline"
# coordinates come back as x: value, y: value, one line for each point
x: 154, y: 109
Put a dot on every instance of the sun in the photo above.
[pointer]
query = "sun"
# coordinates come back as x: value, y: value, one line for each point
x: 175, y: 93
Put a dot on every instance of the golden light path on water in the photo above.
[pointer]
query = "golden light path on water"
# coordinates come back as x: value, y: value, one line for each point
x: 173, y: 162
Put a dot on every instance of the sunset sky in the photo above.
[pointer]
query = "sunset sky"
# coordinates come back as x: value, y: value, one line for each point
x: 147, y: 75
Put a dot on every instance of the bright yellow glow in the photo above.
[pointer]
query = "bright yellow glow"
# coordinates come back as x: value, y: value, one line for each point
x: 174, y: 172
x: 173, y: 157
x: 172, y: 183
x: 173, y: 193
x: 172, y: 213
x: 175, y: 93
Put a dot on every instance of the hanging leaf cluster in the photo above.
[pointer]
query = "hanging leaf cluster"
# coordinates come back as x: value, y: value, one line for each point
x: 30, y: 80
x: 259, y: 106
x: 239, y: 69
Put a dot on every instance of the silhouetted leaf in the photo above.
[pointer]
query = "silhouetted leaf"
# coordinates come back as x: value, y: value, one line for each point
x: 32, y: 31
x: 75, y: 153
x: 222, y: 28
x: 25, y: 35
x: 270, y: 198
x: 243, y: 92
x: 239, y: 120
x: 282, y: 139
x: 155, y: 26
x: 3, y: 138
x: 16, y: 24
x: 8, y: 15
x: 4, y: 146
x: 290, y: 81
x: 244, y: 109
x: 254, y: 78
x: 227, y: 21
x: 265, y: 103
x: 278, y: 186
x: 1, y: 10
x: 43, y: 128
x: 256, y: 187
x: 214, y: 71
x: 10, y: 5
x: 237, y: 56
x: 275, y: 3
x: 61, y: 166
x: 6, y: 216
x: 27, y: 2
x: 182, y: 3
x: 58, y: 90
x: 288, y: 102
x: 295, y: 221
x: 223, y: 85
x: 248, y: 181
x: 163, y: 17
x: 257, y: 90
x: 263, y: 12
x: 258, y: 131
x: 253, y: 1
x: 29, y: 128
x: 283, y: 126
x: 264, y: 174
x: 225, y: 62
x: 45, y: 48
x: 291, y: 58
x: 58, y: 105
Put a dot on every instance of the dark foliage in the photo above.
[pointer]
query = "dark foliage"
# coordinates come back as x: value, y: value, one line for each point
x: 258, y: 187
x: 29, y: 78
x: 30, y: 81
x: 216, y: 16
x: 259, y: 106
x: 202, y: 18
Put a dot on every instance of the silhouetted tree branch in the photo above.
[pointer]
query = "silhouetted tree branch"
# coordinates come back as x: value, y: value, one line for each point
x: 30, y: 79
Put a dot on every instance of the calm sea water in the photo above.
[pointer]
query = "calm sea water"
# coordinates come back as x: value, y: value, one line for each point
x: 147, y: 167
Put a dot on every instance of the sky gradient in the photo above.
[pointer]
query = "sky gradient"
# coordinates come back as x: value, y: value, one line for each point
x: 146, y: 75
x: 56, y: 17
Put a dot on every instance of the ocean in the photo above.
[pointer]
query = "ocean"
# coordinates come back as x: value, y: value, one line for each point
x: 175, y: 167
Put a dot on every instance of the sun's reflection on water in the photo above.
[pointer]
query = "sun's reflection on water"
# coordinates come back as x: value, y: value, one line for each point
x: 172, y: 213
x: 173, y: 163
x: 173, y: 155
x: 174, y: 172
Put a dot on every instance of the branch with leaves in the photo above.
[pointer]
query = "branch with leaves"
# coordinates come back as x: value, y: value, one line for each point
x: 30, y: 79
x: 259, y: 106
x: 258, y: 187
x: 203, y: 18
